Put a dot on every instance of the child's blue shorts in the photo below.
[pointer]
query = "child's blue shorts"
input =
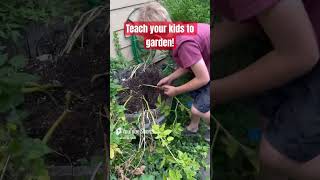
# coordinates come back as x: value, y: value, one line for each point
x: 293, y: 112
x: 201, y: 98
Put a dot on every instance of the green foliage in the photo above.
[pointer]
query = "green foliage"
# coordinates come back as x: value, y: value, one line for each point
x: 169, y: 68
x: 23, y: 154
x: 163, y: 106
x: 183, y: 165
x: 236, y: 156
x: 162, y: 134
x: 118, y: 62
x: 189, y: 10
x: 16, y: 14
x: 12, y: 81
x: 114, y: 88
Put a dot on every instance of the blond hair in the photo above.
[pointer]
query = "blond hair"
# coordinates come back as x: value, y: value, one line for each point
x: 153, y: 12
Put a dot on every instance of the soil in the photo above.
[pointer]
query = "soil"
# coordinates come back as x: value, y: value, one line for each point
x: 136, y: 88
x: 81, y: 134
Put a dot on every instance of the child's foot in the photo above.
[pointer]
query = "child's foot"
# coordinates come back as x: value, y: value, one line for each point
x: 191, y: 130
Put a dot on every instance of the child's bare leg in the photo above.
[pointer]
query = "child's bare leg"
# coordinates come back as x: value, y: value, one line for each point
x: 310, y: 170
x: 276, y: 166
x: 273, y: 165
x: 195, y: 120
x: 206, y: 117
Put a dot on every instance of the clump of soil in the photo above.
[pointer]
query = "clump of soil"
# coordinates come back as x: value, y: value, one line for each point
x: 136, y: 88
x: 80, y: 135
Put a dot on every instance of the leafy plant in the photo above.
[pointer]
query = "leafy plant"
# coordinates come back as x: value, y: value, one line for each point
x: 162, y: 134
x: 164, y: 108
x: 118, y: 62
x: 21, y: 157
x: 174, y: 164
x: 16, y: 14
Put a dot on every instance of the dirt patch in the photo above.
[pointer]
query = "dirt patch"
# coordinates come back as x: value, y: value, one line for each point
x: 137, y: 87
x: 80, y: 135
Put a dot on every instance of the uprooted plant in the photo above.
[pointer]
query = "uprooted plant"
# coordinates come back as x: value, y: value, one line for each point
x: 140, y: 87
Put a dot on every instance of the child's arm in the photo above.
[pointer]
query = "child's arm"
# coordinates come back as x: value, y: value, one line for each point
x: 295, y: 53
x: 201, y: 78
x: 226, y: 32
x: 173, y: 76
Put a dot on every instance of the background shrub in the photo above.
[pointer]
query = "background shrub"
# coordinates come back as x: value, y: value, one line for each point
x: 188, y: 10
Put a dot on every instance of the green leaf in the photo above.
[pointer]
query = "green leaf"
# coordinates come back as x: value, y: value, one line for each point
x: 15, y: 148
x: 3, y: 59
x: 34, y: 149
x: 6, y: 70
x: 167, y: 132
x: 11, y: 127
x: 18, y: 61
x: 8, y: 102
x: 16, y: 115
x: 170, y: 138
x: 147, y: 177
x: 15, y: 35
x: 174, y: 174
x: 252, y: 157
x: 155, y: 128
x: 232, y: 146
x: 19, y: 79
x: 162, y: 163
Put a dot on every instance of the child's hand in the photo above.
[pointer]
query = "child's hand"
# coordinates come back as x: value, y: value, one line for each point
x: 170, y: 90
x: 165, y: 81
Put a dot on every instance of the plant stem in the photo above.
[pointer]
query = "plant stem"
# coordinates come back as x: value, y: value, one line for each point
x: 54, y: 126
x: 227, y: 133
x: 171, y: 152
x: 149, y: 85
x: 35, y: 87
x: 96, y: 76
x: 181, y: 104
x: 60, y: 119
x: 127, y: 101
x: 5, y: 167
x: 149, y: 109
x: 93, y: 176
x: 215, y: 134
x: 135, y: 70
